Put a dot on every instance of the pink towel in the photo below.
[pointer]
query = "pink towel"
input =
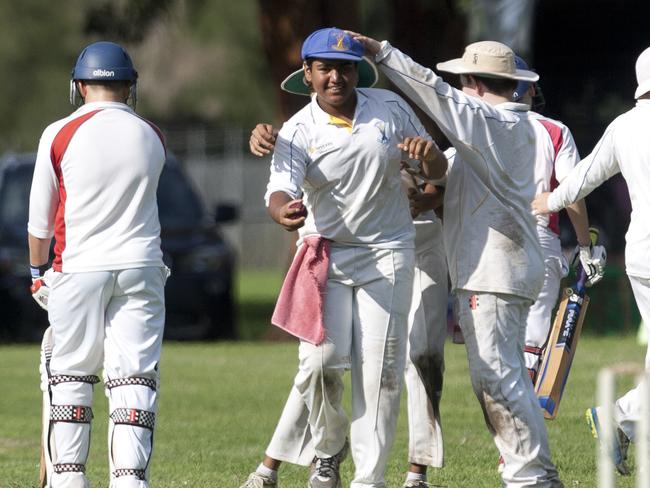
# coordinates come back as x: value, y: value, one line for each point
x: 299, y: 309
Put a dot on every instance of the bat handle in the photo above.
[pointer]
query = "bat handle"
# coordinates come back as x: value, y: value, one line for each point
x: 582, y: 276
x: 593, y: 235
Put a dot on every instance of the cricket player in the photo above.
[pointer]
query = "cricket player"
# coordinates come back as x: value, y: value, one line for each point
x: 94, y: 192
x: 624, y: 148
x: 556, y: 156
x: 427, y: 330
x: 493, y: 253
x: 347, y: 176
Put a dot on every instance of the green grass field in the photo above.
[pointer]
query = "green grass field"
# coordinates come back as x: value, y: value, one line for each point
x: 219, y: 403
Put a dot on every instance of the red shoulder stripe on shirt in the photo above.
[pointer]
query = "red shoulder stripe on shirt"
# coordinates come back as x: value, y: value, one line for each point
x: 57, y: 151
x: 557, y: 139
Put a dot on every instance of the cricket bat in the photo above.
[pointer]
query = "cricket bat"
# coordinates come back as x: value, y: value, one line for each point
x: 45, y: 464
x: 562, y: 343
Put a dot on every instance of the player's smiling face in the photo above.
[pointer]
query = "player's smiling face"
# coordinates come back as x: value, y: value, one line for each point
x: 334, y: 81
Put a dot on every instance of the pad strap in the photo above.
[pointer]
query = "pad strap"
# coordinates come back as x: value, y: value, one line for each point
x: 136, y: 380
x: 534, y: 350
x: 134, y: 416
x: 64, y: 378
x: 138, y: 473
x: 77, y: 414
x: 69, y: 468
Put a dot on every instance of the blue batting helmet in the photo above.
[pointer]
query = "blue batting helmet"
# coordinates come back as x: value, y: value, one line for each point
x: 522, y: 86
x: 538, y: 101
x: 103, y: 61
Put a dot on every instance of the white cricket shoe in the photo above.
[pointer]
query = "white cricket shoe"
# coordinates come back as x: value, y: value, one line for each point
x: 256, y: 480
x: 416, y: 484
x: 325, y: 471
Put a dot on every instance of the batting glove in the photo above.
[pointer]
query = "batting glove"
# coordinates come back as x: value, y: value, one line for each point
x: 40, y: 290
x: 592, y: 259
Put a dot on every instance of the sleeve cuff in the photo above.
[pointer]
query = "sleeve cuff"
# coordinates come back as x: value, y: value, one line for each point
x: 292, y: 192
x: 386, y: 48
x: 40, y: 233
x: 553, y: 204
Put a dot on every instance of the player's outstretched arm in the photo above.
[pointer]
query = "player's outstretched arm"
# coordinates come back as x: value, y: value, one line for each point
x: 434, y: 162
x: 290, y: 213
x: 262, y: 140
x: 577, y: 213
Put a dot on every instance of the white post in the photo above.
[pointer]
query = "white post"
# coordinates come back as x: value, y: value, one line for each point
x: 605, y: 420
x: 641, y: 435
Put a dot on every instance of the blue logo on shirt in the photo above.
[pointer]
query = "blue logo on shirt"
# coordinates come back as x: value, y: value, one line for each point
x: 381, y: 127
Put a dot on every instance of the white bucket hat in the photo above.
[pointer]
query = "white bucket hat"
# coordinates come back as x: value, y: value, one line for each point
x: 488, y: 58
x: 643, y: 73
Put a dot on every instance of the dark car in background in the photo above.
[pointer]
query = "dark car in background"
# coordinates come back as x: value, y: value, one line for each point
x: 199, y: 292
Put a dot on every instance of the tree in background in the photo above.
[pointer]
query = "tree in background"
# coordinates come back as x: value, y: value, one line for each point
x: 124, y: 19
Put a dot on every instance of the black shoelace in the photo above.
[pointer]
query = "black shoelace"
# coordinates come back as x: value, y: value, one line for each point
x: 326, y: 467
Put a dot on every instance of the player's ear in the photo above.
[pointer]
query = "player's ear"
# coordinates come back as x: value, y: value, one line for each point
x: 306, y: 67
x: 477, y: 85
x: 82, y: 89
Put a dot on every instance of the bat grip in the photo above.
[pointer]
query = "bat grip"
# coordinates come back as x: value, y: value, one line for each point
x: 582, y: 276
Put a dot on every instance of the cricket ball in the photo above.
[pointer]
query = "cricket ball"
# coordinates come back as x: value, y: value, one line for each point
x: 302, y: 210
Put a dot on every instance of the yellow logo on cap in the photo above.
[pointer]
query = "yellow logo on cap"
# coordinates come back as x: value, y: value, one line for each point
x: 340, y: 43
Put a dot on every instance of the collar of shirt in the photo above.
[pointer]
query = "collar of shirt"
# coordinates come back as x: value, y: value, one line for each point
x: 89, y: 107
x: 322, y: 117
x: 514, y: 106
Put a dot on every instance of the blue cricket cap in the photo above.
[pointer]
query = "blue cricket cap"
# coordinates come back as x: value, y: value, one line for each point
x: 522, y: 86
x: 331, y: 43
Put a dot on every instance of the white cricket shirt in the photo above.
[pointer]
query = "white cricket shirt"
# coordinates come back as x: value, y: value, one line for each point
x: 349, y: 178
x: 624, y: 148
x: 94, y: 189
x: 556, y: 155
x: 490, y: 236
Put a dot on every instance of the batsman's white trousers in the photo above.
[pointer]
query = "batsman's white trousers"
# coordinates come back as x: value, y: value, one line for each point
x: 113, y: 319
x: 628, y: 408
x: 291, y: 441
x: 425, y: 352
x: 494, y: 327
x: 365, y: 314
x: 540, y: 318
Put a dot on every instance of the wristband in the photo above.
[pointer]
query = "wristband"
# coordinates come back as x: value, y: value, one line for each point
x: 38, y: 271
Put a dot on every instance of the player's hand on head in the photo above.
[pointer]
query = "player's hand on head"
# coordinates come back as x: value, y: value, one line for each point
x: 293, y: 215
x: 262, y: 140
x: 371, y: 46
x: 592, y: 258
x: 539, y: 205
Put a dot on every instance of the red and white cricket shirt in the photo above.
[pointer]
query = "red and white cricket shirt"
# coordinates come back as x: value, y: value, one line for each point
x: 94, y: 189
